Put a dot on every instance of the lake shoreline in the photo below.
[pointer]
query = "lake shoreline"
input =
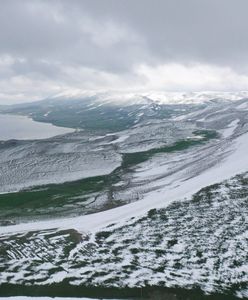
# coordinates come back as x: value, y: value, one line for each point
x: 19, y: 127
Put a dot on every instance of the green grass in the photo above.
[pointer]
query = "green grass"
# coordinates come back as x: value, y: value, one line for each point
x: 149, y: 292
x: 130, y: 159
x: 41, y: 200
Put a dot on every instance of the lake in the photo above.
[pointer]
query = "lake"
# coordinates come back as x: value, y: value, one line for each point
x: 24, y: 128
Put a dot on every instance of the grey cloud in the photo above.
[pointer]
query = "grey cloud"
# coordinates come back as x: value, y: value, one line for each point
x: 35, y: 33
x: 114, y: 36
x: 169, y: 30
x: 206, y: 30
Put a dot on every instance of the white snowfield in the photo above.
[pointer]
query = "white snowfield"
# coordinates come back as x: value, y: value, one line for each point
x: 234, y: 160
x: 227, y: 132
x: 58, y: 160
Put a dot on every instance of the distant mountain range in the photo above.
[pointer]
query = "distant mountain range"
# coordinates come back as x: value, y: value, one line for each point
x: 114, y: 111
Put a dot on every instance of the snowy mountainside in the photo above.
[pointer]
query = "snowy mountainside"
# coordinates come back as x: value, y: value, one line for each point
x: 160, y: 202
x: 200, y: 242
x: 112, y: 111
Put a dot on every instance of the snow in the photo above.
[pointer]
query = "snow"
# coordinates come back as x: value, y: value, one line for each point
x: 161, y: 180
x: 47, y: 113
x: 63, y: 159
x: 243, y: 106
x: 234, y: 163
x: 120, y: 139
x: 227, y: 132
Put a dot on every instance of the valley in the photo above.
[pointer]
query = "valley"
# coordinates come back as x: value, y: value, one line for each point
x: 161, y: 204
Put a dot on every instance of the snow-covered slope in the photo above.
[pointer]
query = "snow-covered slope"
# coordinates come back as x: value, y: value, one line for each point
x: 185, y: 224
x: 200, y: 242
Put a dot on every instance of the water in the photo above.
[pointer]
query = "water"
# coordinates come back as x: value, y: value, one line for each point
x: 24, y: 128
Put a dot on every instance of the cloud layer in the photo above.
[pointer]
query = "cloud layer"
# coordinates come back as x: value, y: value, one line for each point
x: 49, y: 46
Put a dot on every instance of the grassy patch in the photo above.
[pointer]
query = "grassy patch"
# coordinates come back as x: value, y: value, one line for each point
x: 130, y: 159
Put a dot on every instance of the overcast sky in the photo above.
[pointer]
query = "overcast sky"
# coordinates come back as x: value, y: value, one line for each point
x: 50, y: 46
